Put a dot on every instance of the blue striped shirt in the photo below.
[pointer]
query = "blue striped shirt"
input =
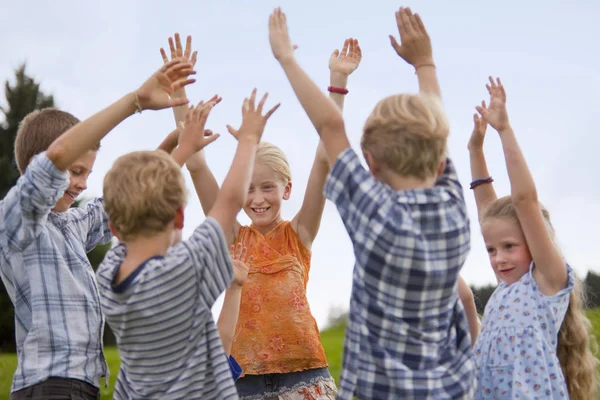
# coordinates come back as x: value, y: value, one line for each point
x: 407, y: 336
x: 49, y: 279
x: 161, y: 316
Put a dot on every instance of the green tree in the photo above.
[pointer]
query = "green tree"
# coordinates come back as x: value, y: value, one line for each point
x: 22, y: 97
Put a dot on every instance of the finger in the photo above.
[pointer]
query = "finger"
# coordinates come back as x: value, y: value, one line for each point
x: 194, y: 58
x: 178, y: 68
x: 232, y: 131
x: 181, y: 83
x: 208, y: 132
x: 413, y: 22
x: 208, y: 140
x: 181, y: 126
x: 169, y: 65
x: 178, y: 48
x: 395, y: 44
x: 271, y: 111
x: 335, y: 54
x: 250, y: 260
x: 475, y: 118
x: 231, y: 249
x: 172, y: 48
x: 164, y: 55
x: 489, y: 88
x: 358, y: 51
x: 421, y: 25
x: 188, y: 47
x: 243, y: 253
x: 493, y: 84
x: 189, y: 115
x: 262, y: 103
x: 400, y: 23
x: 251, y: 102
x: 238, y: 251
x: 345, y: 48
x: 245, y: 106
x: 408, y: 29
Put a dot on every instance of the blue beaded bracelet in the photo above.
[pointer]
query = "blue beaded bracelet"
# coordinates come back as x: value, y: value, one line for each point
x: 481, y: 181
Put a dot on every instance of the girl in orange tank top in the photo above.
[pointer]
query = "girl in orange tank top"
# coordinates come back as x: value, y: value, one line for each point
x: 277, y: 340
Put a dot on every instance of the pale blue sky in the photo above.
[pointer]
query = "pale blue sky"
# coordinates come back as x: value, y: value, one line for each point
x: 89, y: 54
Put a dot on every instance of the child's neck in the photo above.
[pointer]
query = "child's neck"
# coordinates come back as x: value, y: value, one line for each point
x: 140, y: 250
x: 399, y: 182
x: 264, y: 229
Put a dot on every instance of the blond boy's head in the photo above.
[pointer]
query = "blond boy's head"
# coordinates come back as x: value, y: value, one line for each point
x: 143, y: 193
x: 406, y: 135
x: 37, y: 131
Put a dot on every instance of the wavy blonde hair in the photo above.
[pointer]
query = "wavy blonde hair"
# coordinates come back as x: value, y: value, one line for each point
x: 577, y: 347
x: 142, y: 192
x: 407, y: 134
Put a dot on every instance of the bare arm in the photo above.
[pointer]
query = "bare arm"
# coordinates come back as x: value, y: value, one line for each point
x: 308, y: 220
x: 484, y: 193
x: 232, y: 196
x: 550, y: 270
x: 153, y: 94
x: 322, y: 112
x: 466, y: 297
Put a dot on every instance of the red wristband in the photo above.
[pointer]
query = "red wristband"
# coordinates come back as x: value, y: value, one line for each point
x: 334, y: 89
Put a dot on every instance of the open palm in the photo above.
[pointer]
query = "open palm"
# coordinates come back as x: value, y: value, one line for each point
x: 348, y: 60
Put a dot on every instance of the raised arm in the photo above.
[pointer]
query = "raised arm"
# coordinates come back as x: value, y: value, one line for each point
x: 233, y: 295
x: 154, y: 94
x: 323, y: 113
x: 232, y: 196
x: 468, y: 301
x: 415, y: 49
x: 482, y: 186
x: 308, y: 220
x: 550, y: 270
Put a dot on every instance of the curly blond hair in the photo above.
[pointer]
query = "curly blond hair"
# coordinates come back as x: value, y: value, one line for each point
x: 142, y: 192
x: 407, y: 134
x: 577, y: 346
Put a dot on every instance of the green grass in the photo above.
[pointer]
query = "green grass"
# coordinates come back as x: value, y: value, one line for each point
x: 332, y: 338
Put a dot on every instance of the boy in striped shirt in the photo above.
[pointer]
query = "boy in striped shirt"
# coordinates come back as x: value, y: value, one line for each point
x: 157, y: 298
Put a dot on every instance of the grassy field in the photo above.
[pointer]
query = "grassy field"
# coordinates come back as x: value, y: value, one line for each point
x: 333, y: 342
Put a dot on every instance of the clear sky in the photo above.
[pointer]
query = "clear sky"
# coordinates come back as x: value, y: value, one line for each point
x: 89, y: 54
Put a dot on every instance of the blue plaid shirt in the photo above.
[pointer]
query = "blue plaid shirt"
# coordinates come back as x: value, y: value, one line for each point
x: 407, y: 336
x: 49, y: 279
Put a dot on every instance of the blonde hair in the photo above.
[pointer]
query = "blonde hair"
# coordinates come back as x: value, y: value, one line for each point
x: 38, y: 130
x: 407, y: 134
x: 142, y: 192
x: 577, y: 346
x: 273, y: 157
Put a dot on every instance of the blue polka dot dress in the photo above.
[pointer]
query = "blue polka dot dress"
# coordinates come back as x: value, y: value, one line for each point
x: 516, y: 350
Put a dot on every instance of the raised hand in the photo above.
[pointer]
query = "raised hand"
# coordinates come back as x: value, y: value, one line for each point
x: 478, y: 134
x: 240, y: 264
x: 253, y: 122
x: 279, y: 37
x: 178, y: 52
x: 155, y: 93
x: 496, y: 114
x: 415, y: 45
x: 348, y: 60
x: 192, y: 133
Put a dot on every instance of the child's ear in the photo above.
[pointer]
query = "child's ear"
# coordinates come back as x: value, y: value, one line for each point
x: 372, y: 163
x: 179, y: 218
x: 441, y: 168
x: 287, y: 191
x: 113, y: 230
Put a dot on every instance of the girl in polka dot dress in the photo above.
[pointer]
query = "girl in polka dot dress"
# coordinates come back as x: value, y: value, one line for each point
x: 534, y: 340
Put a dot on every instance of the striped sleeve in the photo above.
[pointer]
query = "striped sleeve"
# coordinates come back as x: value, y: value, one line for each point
x: 208, y: 249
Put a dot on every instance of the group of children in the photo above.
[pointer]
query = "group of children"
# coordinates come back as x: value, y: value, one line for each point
x: 413, y: 332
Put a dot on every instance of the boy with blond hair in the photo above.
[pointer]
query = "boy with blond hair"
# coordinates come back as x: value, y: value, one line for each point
x: 158, y: 298
x: 43, y: 243
x: 407, y: 336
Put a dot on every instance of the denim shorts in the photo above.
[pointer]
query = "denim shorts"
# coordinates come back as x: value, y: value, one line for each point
x: 58, y: 389
x: 316, y: 382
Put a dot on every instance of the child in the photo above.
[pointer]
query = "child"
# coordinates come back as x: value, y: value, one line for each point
x: 534, y: 341
x: 157, y: 299
x: 231, y: 304
x: 277, y: 340
x: 59, y: 323
x: 406, y: 336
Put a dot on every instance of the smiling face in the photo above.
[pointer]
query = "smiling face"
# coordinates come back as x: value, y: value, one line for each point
x: 507, y: 248
x: 79, y: 172
x: 266, y: 192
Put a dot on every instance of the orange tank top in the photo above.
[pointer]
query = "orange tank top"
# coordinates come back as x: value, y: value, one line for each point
x: 276, y: 332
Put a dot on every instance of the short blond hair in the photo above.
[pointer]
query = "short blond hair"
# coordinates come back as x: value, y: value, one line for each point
x: 142, y: 192
x: 38, y: 130
x: 273, y: 157
x: 407, y: 134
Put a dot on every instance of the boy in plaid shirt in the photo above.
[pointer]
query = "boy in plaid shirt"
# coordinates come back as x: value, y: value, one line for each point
x: 407, y: 336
